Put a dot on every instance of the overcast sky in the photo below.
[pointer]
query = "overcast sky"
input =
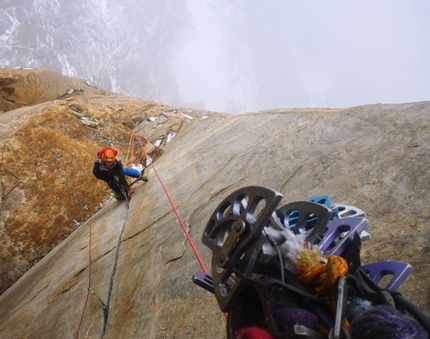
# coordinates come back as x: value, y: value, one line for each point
x: 248, y: 55
x: 231, y: 56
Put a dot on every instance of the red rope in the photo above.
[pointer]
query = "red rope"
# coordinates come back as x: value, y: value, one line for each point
x: 202, y: 265
x: 175, y: 210
x: 4, y: 197
x: 196, y: 253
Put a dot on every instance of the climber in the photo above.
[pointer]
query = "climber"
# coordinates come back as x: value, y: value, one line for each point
x: 107, y: 167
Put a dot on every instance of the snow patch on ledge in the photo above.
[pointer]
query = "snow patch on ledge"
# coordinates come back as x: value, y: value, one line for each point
x: 187, y: 116
x: 170, y: 136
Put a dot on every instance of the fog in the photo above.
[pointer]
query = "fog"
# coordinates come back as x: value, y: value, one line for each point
x: 229, y: 56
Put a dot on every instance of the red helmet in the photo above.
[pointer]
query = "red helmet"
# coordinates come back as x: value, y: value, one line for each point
x: 108, y: 156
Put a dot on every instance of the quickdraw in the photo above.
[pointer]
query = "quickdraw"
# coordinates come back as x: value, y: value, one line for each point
x: 272, y: 265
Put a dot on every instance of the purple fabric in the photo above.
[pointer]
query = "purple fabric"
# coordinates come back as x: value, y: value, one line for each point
x: 385, y: 322
x: 287, y: 317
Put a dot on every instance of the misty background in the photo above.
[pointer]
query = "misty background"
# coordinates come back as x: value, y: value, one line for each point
x: 229, y: 56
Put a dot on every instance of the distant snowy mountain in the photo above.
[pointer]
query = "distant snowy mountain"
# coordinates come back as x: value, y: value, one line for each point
x: 114, y: 44
x: 136, y: 48
x: 228, y: 56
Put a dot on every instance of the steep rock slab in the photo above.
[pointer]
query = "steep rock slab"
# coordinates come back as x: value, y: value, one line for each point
x: 65, y: 273
x: 47, y: 153
x: 373, y: 157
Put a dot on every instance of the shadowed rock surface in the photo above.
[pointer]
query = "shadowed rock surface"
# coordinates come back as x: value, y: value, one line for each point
x: 373, y: 157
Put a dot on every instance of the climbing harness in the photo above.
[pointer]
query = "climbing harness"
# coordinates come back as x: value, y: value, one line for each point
x: 125, y: 193
x: 295, y: 271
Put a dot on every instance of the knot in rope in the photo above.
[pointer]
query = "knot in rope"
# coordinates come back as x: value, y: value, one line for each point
x: 320, y: 274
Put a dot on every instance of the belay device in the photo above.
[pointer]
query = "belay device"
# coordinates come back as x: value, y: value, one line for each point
x: 251, y: 282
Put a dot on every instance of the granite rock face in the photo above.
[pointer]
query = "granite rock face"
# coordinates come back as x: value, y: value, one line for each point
x: 126, y: 271
x: 19, y: 88
x: 49, y: 145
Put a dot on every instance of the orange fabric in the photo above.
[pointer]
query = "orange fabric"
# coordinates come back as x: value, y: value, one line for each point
x: 320, y: 274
